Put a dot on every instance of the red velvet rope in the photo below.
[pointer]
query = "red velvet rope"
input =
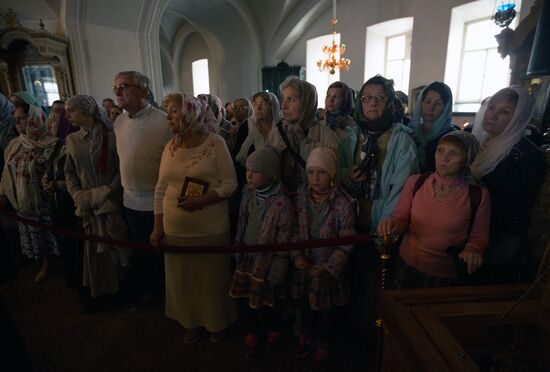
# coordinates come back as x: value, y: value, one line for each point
x: 198, y: 249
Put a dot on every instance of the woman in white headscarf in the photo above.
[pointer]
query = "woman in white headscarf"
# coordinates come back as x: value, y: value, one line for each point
x: 265, y: 117
x: 26, y: 160
x: 196, y: 176
x: 93, y: 180
x: 513, y: 169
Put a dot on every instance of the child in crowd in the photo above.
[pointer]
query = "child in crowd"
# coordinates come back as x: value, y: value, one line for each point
x: 266, y: 216
x: 324, y: 211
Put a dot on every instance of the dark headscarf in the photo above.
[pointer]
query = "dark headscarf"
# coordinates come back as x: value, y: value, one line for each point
x: 372, y: 130
x: 333, y: 118
x: 64, y: 127
x: 383, y: 123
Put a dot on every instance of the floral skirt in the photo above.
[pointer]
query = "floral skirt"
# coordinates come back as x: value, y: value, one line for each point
x: 258, y: 291
x: 322, y: 292
x: 37, y: 243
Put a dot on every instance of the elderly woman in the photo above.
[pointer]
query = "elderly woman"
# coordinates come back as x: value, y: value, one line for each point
x: 447, y: 208
x: 338, y: 107
x: 513, y: 169
x: 376, y: 158
x: 93, y: 180
x: 378, y: 155
x: 264, y: 118
x: 195, y: 178
x: 299, y: 132
x: 26, y: 160
x: 431, y: 120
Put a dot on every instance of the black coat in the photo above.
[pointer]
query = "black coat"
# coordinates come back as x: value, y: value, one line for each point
x: 513, y: 186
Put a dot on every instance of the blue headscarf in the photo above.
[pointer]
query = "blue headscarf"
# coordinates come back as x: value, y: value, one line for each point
x: 7, y: 124
x: 28, y: 98
x: 441, y: 125
x: 7, y: 109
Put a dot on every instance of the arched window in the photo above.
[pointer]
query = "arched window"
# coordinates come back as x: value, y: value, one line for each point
x: 474, y: 68
x: 388, y: 51
x: 201, y: 81
x: 321, y: 79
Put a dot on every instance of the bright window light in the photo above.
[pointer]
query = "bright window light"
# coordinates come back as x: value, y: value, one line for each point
x: 398, y: 60
x: 201, y: 81
x: 388, y: 51
x: 474, y: 69
x: 321, y: 79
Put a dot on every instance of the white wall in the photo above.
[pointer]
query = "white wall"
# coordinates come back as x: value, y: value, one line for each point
x: 110, y: 51
x: 429, y: 42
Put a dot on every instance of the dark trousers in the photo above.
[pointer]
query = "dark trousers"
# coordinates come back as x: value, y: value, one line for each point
x: 8, y: 270
x: 363, y: 274
x: 320, y: 325
x: 264, y: 320
x: 148, y: 266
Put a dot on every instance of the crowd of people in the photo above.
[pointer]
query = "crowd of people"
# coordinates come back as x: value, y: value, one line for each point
x: 261, y: 170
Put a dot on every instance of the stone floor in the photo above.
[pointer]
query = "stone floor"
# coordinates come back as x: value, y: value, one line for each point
x: 58, y: 337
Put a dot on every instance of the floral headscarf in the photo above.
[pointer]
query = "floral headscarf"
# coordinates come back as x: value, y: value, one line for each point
x: 494, y: 150
x: 37, y: 133
x: 197, y: 117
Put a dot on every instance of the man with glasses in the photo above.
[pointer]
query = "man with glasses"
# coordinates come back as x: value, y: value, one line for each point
x: 141, y: 134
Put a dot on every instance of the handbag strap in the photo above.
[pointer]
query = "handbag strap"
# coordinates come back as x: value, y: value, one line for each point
x: 287, y: 143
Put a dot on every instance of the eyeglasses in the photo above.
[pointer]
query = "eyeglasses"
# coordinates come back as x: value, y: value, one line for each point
x: 122, y: 87
x: 240, y: 108
x: 377, y: 99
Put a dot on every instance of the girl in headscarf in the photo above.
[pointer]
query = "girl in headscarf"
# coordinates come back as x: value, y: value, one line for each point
x: 58, y: 122
x: 26, y: 162
x: 93, y: 180
x: 317, y: 282
x: 195, y: 178
x: 299, y: 132
x: 264, y: 118
x: 448, y: 208
x: 513, y: 169
x: 338, y: 108
x: 431, y: 120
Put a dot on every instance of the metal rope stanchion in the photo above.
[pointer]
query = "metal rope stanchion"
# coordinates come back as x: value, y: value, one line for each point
x: 383, y: 275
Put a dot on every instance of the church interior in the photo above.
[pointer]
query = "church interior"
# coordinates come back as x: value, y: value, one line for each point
x: 230, y: 49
